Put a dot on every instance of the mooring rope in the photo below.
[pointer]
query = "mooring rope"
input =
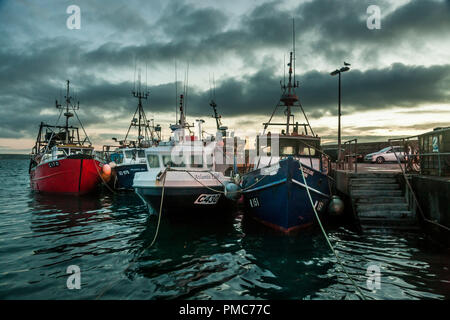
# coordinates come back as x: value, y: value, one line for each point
x: 326, y: 236
x: 133, y: 261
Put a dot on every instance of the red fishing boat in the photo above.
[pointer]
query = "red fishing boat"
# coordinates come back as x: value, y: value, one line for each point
x: 63, y: 163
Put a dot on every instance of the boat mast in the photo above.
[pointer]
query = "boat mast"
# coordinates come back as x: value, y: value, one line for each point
x: 67, y: 114
x: 144, y: 129
x: 289, y: 98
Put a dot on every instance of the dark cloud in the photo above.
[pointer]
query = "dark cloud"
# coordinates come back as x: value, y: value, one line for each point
x: 184, y: 21
x: 399, y: 85
x: 32, y: 75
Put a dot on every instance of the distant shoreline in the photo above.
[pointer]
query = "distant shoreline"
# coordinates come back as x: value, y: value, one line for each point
x: 14, y: 156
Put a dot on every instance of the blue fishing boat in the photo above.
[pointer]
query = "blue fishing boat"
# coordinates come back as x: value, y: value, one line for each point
x: 128, y: 157
x: 286, y: 166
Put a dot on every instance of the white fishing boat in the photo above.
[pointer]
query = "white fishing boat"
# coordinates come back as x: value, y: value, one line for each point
x: 181, y: 174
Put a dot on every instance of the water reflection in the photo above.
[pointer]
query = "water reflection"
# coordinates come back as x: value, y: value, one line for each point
x: 41, y: 236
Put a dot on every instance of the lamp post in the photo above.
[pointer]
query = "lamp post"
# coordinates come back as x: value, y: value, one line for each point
x: 338, y: 72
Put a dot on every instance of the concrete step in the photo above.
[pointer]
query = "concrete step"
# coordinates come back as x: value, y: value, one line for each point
x: 392, y: 186
x: 386, y: 214
x: 368, y: 222
x: 367, y: 193
x: 362, y: 207
x: 379, y: 199
x: 358, y: 181
x: 372, y: 175
x: 379, y: 227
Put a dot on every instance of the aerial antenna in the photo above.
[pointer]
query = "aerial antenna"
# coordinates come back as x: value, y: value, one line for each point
x: 146, y: 86
x: 134, y: 76
x: 186, y: 90
x: 214, y: 86
x: 293, y: 43
x: 176, y: 94
x: 210, y: 88
x: 139, y: 80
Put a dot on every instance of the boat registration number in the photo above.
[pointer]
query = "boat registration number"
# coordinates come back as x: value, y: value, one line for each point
x: 53, y: 164
x: 254, y: 202
x: 207, y: 199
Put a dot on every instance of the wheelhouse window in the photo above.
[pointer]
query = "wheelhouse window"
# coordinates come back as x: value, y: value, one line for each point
x: 306, y: 151
x: 153, y: 161
x: 196, y: 161
x: 141, y: 154
x: 75, y: 151
x: 130, y: 154
x: 288, y: 146
x: 287, y: 151
x: 167, y: 161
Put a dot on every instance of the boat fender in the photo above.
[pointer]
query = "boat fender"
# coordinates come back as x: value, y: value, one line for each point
x: 232, y: 191
x: 106, y: 169
x: 336, y: 206
x: 106, y: 173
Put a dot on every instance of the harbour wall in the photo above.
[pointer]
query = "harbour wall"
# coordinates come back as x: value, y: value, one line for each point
x: 433, y: 195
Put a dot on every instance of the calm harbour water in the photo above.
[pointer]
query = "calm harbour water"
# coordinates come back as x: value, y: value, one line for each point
x: 40, y: 236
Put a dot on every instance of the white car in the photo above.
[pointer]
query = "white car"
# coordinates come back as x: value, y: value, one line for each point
x: 386, y: 154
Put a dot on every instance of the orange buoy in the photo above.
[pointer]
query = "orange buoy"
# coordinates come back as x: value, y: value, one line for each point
x: 106, y: 169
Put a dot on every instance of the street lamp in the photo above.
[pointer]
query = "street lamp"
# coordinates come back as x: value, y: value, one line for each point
x: 338, y: 72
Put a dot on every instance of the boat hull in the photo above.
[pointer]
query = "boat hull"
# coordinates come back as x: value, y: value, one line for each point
x: 77, y: 175
x: 186, y: 201
x: 124, y: 175
x: 277, y: 197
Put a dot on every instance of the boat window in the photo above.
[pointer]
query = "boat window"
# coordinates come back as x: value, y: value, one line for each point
x: 117, y: 157
x: 167, y: 161
x: 141, y: 154
x: 87, y: 151
x: 209, y: 161
x: 153, y: 161
x: 196, y: 161
x: 75, y: 151
x: 305, y: 151
x: 287, y: 151
x: 130, y: 154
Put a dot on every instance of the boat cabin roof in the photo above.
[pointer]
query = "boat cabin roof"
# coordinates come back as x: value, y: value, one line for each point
x: 73, y: 146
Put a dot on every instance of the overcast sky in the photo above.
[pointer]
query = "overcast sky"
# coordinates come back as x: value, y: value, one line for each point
x: 399, y: 82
